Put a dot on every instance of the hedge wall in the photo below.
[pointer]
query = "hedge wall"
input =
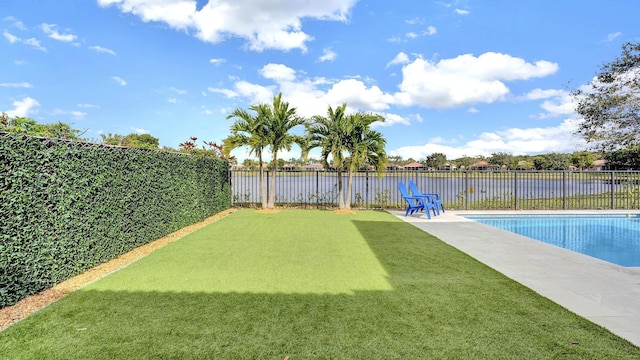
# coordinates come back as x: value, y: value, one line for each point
x: 67, y: 206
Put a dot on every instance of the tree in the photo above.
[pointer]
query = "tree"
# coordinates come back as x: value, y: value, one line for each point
x: 28, y: 126
x: 111, y: 139
x: 395, y: 160
x: 251, y: 131
x: 140, y: 141
x: 610, y: 106
x: 501, y: 158
x: 330, y: 135
x: 436, y: 160
x: 365, y: 147
x: 281, y: 121
x: 624, y: 159
x: 582, y: 159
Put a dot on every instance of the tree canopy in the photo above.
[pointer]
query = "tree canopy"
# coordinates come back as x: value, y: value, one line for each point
x: 610, y: 105
x: 28, y: 126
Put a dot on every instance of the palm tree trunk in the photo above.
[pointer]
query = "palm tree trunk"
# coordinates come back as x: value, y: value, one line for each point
x: 272, y: 192
x: 347, y: 200
x: 263, y: 190
x: 340, y: 190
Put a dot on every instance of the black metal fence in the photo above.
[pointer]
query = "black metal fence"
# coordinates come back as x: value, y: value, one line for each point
x: 461, y: 190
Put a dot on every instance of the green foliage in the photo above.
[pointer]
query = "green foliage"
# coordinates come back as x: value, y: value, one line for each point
x: 611, y: 105
x: 68, y: 206
x: 624, y: 159
x: 111, y: 139
x: 435, y: 160
x: 582, y: 159
x: 28, y: 126
x: 141, y: 141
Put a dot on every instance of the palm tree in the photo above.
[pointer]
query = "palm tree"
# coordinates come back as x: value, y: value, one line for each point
x: 365, y: 147
x: 279, y: 123
x: 252, y: 131
x: 330, y: 133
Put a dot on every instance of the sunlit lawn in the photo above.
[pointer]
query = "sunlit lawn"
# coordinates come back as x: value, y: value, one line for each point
x: 308, y: 284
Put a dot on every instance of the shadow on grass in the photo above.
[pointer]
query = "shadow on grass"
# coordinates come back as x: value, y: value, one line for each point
x: 444, y: 304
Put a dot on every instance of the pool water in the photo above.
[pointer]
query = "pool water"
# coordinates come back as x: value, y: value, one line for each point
x: 612, y: 238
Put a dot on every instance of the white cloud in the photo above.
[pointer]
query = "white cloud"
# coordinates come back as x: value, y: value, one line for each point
x: 401, y: 58
x: 390, y: 120
x: 462, y: 12
x: 172, y: 100
x: 557, y: 102
x: 88, y: 106
x: 178, y: 91
x: 466, y: 79
x: 217, y: 61
x: 120, y: 80
x: 15, y: 23
x: 431, y: 30
x: 516, y: 141
x: 16, y: 85
x: 35, y: 43
x: 328, y: 55
x: 10, y: 37
x: 226, y: 92
x: 78, y: 114
x: 101, y: 49
x: 52, y: 32
x: 613, y: 36
x: 140, y: 130
x: 23, y: 107
x: 276, y: 24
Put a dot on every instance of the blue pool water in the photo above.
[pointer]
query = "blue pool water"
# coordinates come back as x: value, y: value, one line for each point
x: 612, y: 238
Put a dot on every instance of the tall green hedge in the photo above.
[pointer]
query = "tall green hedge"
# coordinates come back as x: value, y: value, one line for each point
x: 68, y: 206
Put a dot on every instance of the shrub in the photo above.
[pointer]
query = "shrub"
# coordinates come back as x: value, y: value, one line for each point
x: 68, y: 206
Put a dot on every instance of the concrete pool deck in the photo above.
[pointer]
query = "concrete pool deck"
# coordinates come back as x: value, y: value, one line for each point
x: 604, y: 293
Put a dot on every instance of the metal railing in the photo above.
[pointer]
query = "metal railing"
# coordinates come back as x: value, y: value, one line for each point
x: 461, y: 190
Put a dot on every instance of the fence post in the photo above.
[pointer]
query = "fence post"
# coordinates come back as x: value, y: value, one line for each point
x: 466, y: 189
x: 366, y: 190
x: 317, y: 190
x: 613, y: 180
x: 268, y: 186
x: 515, y: 189
x: 564, y: 190
x: 230, y: 174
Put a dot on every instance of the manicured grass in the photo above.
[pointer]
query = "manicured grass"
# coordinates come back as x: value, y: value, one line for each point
x: 308, y: 284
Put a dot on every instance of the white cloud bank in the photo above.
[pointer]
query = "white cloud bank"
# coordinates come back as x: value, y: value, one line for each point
x: 22, y: 108
x: 516, y: 141
x: 275, y: 24
x: 464, y: 80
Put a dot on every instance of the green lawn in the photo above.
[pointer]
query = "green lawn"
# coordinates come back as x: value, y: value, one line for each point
x: 308, y: 284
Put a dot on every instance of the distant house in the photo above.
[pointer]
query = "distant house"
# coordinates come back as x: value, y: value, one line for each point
x: 415, y: 166
x: 313, y: 167
x: 483, y: 166
x: 448, y: 167
x: 238, y: 167
x: 289, y: 167
x: 598, y: 165
x: 393, y: 167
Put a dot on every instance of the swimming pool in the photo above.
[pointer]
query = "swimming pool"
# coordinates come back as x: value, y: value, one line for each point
x: 612, y: 238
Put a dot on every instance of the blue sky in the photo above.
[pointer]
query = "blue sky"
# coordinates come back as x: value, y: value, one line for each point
x: 458, y: 77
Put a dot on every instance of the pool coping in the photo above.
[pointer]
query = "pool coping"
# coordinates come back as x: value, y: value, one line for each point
x: 599, y: 291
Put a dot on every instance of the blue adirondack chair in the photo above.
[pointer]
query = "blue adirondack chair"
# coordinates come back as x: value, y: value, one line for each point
x: 415, y: 203
x: 433, y: 198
